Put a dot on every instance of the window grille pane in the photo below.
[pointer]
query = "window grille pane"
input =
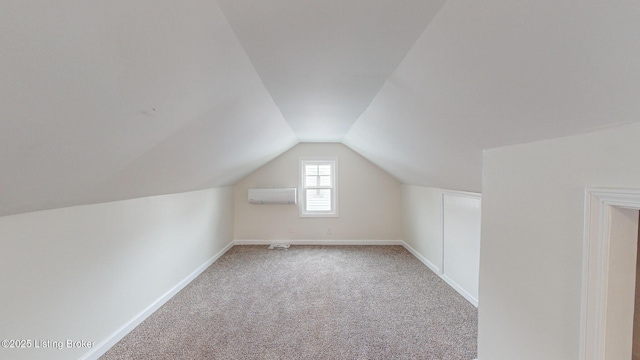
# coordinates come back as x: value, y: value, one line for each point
x: 311, y: 181
x: 324, y: 169
x: 318, y: 199
x: 325, y: 180
x: 311, y: 169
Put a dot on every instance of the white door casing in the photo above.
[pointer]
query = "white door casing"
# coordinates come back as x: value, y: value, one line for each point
x: 604, y: 332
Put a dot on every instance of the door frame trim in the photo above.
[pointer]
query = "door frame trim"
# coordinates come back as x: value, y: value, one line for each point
x: 595, y: 265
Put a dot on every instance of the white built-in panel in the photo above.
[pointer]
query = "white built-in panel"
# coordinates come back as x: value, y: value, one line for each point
x: 461, y: 242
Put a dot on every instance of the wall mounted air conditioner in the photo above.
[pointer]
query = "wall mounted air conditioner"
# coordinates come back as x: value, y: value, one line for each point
x: 273, y: 196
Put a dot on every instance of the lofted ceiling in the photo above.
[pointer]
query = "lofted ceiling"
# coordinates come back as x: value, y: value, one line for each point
x: 323, y: 61
x: 110, y: 100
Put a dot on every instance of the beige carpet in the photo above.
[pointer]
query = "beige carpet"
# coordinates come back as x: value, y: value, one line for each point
x: 309, y: 302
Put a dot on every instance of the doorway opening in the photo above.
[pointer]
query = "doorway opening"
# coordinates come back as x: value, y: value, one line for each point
x: 610, y: 264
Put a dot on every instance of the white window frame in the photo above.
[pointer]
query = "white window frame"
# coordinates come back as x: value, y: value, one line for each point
x: 333, y: 161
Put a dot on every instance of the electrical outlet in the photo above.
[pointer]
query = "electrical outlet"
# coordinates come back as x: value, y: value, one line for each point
x: 329, y: 230
x: 290, y: 229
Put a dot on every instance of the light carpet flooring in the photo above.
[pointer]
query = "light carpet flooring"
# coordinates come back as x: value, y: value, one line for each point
x: 309, y: 302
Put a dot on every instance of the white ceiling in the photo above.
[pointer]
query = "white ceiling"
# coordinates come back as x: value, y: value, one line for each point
x: 492, y: 73
x: 103, y: 101
x: 323, y: 61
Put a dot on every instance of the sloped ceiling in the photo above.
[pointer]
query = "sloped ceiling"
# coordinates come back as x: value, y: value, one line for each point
x: 110, y: 100
x: 324, y: 60
x: 492, y: 73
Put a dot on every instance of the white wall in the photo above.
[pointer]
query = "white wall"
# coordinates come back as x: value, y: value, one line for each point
x: 362, y: 216
x: 492, y: 73
x: 532, y: 237
x: 422, y: 222
x: 81, y: 273
x: 437, y: 220
x: 461, y: 242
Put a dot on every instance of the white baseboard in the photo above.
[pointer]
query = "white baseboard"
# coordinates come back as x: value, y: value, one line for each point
x: 422, y: 259
x: 319, y: 242
x: 332, y: 242
x: 444, y: 277
x: 117, y: 335
x: 460, y: 290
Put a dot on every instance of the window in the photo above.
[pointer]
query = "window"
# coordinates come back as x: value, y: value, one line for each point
x: 318, y: 183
